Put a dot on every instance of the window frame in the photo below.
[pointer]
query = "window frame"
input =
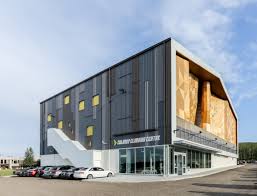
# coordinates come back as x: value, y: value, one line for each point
x: 60, y: 122
x: 66, y: 99
x: 49, y: 117
x: 97, y: 97
x: 87, y: 131
x: 80, y: 102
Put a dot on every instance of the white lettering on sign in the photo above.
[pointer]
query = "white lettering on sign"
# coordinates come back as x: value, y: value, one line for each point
x: 137, y: 140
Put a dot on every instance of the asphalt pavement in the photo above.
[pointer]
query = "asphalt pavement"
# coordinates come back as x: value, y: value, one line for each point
x: 239, y: 182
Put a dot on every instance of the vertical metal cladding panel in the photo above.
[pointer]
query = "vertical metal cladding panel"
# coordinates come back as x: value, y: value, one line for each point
x: 159, y: 64
x: 167, y: 93
x: 82, y: 114
x: 76, y: 112
x: 59, y: 108
x: 151, y: 91
x: 87, y: 118
x: 147, y: 99
x: 135, y: 94
x: 105, y: 112
x: 129, y: 96
x: 141, y: 92
x: 97, y: 137
x: 113, y: 100
x: 68, y: 116
x: 50, y: 108
x: 42, y: 125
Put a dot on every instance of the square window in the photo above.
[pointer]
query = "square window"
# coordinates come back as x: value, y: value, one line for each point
x: 60, y: 124
x: 95, y: 100
x: 81, y: 105
x: 90, y: 130
x: 49, y: 117
x: 66, y: 99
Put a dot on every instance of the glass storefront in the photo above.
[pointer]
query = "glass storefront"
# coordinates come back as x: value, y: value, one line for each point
x: 197, y: 159
x: 130, y: 161
x: 146, y: 160
x: 140, y: 152
x: 123, y: 158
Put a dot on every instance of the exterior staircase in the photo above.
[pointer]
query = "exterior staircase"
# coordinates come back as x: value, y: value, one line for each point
x: 72, y: 150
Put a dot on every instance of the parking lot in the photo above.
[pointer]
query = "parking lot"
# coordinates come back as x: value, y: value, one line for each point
x: 239, y: 182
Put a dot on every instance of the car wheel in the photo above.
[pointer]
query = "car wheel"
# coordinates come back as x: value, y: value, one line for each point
x: 109, y: 175
x: 90, y: 176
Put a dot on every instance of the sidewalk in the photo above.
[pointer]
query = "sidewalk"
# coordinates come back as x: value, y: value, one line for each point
x: 141, y: 178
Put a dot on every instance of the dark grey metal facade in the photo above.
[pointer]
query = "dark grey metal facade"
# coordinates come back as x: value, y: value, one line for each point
x: 135, y: 98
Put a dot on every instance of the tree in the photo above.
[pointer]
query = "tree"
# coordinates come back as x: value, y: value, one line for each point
x: 29, y: 157
x: 248, y: 151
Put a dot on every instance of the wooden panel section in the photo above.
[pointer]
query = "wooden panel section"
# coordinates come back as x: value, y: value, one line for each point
x: 193, y: 94
x: 217, y: 117
x: 206, y: 99
x: 182, y: 89
x: 230, y: 124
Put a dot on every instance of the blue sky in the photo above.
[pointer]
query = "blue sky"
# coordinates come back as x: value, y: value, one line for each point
x: 47, y: 46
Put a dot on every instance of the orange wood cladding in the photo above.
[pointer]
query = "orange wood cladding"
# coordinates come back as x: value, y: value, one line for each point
x: 205, y: 106
x: 215, y: 115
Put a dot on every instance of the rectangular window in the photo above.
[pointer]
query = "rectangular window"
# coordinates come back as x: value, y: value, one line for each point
x: 81, y: 105
x: 90, y: 130
x: 149, y: 161
x: 49, y: 117
x: 66, y: 99
x: 95, y: 100
x: 123, y: 160
x: 60, y: 124
x: 130, y: 161
x: 189, y: 159
x: 140, y: 152
x: 159, y: 159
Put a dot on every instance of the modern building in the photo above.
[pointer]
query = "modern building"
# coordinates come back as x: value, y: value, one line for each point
x: 10, y: 162
x: 161, y: 111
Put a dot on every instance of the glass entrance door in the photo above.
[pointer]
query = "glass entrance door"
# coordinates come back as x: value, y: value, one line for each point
x: 179, y: 163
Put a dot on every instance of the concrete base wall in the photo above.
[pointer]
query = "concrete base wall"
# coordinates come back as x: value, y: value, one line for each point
x: 219, y: 161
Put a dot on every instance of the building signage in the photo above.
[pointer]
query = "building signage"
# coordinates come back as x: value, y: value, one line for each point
x: 127, y: 141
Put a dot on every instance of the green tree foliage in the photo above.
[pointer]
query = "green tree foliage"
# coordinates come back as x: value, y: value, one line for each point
x: 29, y: 157
x: 248, y: 151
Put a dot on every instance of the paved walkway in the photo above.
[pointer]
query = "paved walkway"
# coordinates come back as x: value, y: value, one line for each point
x: 141, y: 178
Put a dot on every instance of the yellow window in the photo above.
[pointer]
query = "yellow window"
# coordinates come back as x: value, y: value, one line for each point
x: 49, y: 117
x: 66, y: 99
x: 60, y: 124
x: 95, y: 100
x: 90, y: 130
x: 81, y: 105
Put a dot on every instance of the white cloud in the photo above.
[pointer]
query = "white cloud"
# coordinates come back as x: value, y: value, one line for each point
x: 205, y: 27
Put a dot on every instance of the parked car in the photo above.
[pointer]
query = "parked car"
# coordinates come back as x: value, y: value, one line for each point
x: 92, y: 172
x: 69, y: 174
x: 41, y: 170
x: 24, y: 172
x: 32, y: 172
x: 49, y: 172
x: 17, y: 172
x: 59, y: 170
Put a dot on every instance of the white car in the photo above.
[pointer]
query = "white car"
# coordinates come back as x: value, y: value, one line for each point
x: 92, y: 172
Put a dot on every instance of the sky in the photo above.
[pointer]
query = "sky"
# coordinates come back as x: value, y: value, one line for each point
x: 47, y: 46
